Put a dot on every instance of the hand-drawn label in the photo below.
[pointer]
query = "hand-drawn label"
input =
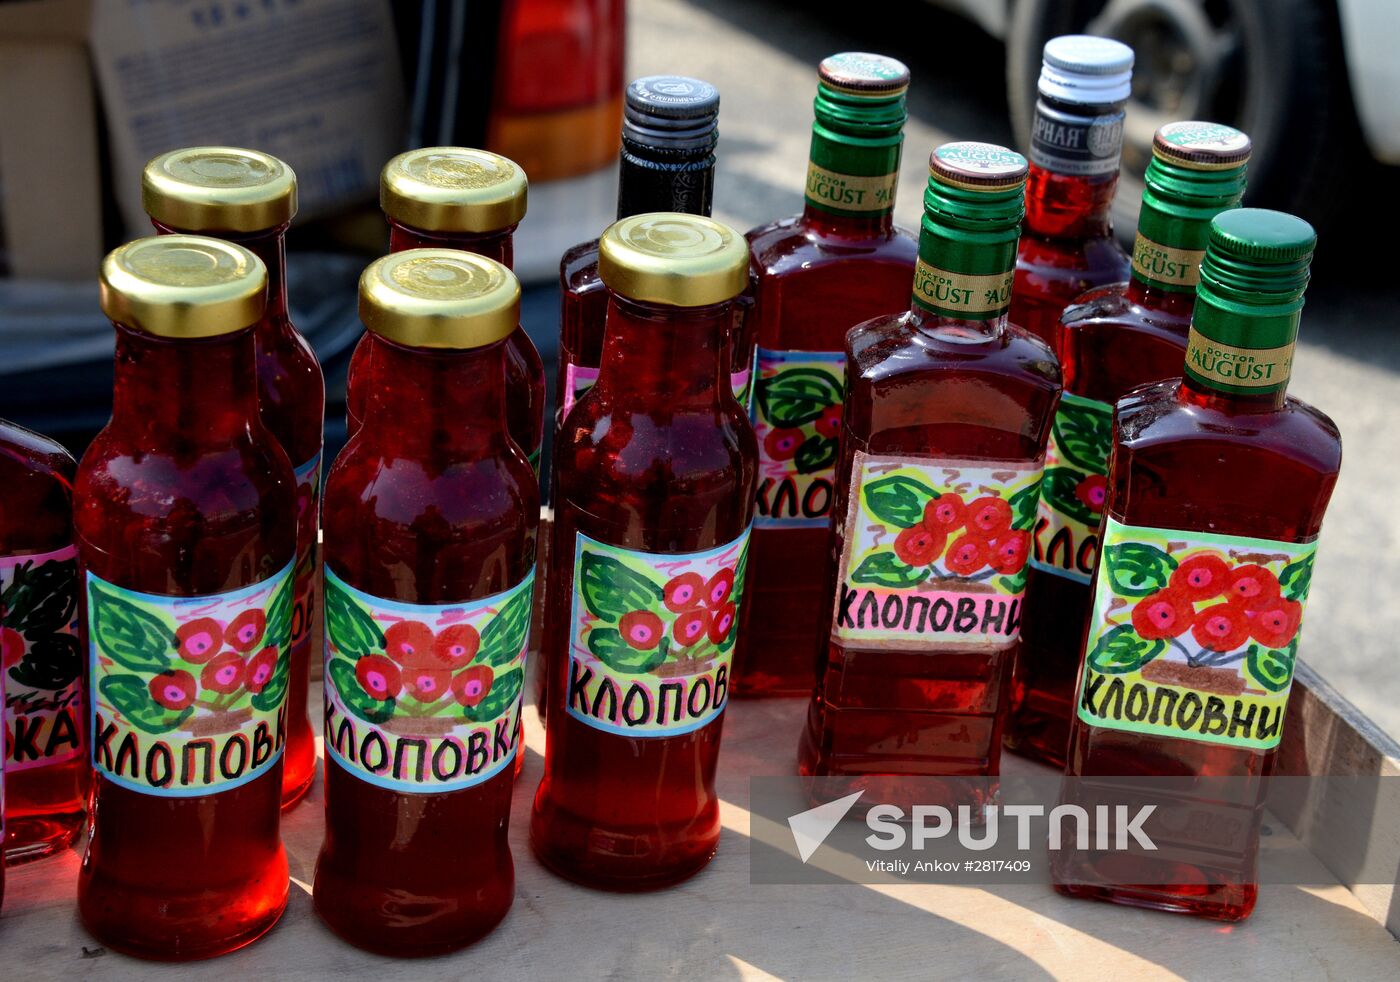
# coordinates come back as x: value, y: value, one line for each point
x: 1072, y: 491
x: 308, y: 522
x: 652, y: 636
x: 1194, y: 635
x: 43, y: 659
x: 797, y: 419
x: 425, y: 698
x: 189, y: 693
x: 935, y: 552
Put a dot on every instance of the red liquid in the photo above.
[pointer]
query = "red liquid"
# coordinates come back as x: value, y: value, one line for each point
x: 1067, y: 247
x: 817, y: 276
x: 524, y: 370
x: 656, y: 457
x: 1187, y: 458
x: 292, y: 404
x: 929, y: 387
x: 1113, y: 339
x: 43, y: 804
x: 184, y: 493
x: 431, y: 502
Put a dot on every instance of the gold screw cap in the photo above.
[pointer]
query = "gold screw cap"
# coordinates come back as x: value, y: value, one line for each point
x: 682, y: 260
x: 219, y: 189
x: 453, y: 189
x: 183, y: 286
x: 439, y: 298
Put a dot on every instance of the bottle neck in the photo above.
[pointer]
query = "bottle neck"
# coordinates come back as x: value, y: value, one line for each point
x: 1172, y: 303
x: 1239, y: 356
x: 851, y: 182
x: 201, y: 392
x: 966, y: 267
x: 954, y: 330
x: 497, y: 244
x: 657, y: 356
x: 654, y: 179
x: 1173, y: 229
x: 1195, y: 393
x: 1074, y: 155
x: 436, y: 405
x: 269, y: 245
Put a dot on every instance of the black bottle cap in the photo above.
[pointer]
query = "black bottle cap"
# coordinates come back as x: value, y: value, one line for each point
x: 671, y: 112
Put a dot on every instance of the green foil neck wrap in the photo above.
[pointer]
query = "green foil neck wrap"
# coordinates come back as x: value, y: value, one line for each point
x: 1249, y: 302
x: 968, y: 236
x: 854, y: 162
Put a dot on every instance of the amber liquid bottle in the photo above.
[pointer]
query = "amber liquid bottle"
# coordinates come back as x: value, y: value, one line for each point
x: 840, y: 262
x: 1112, y: 339
x: 947, y: 410
x: 1216, y: 489
x: 186, y: 522
x: 430, y: 511
x: 459, y: 198
x: 1067, y: 245
x: 43, y: 648
x: 248, y: 197
x: 654, y: 499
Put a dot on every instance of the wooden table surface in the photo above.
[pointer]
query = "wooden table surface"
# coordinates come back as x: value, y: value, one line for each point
x: 719, y: 925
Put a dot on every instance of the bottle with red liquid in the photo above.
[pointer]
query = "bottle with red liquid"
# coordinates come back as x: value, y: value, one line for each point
x: 669, y: 132
x: 430, y: 515
x: 1067, y: 245
x: 840, y: 262
x: 655, y: 474
x: 1216, y: 489
x: 250, y: 198
x: 947, y: 410
x: 185, y: 510
x: 42, y: 647
x: 1113, y: 339
x: 458, y: 198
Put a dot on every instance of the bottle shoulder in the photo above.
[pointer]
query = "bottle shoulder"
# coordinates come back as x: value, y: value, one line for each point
x: 894, y: 345
x: 24, y: 452
x: 792, y: 245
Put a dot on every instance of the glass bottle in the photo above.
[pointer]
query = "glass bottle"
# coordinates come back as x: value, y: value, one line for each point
x: 669, y: 131
x: 1067, y: 245
x: 250, y: 198
x: 458, y: 198
x: 840, y: 262
x: 947, y: 410
x: 1216, y: 489
x: 430, y: 512
x: 43, y: 649
x: 1114, y: 338
x: 655, y: 475
x: 185, y: 510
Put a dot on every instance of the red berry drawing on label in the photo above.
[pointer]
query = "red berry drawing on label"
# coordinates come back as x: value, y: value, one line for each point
x: 409, y: 643
x: 945, y: 512
x: 1091, y: 492
x: 828, y: 424
x: 722, y: 623
x: 224, y: 673
x: 379, y: 677
x: 427, y: 685
x: 719, y: 588
x: 1164, y: 614
x: 199, y: 640
x: 11, y: 647
x: 1201, y: 577
x: 690, y: 627
x: 457, y: 645
x: 246, y: 630
x: 1010, y: 552
x: 782, y: 444
x: 968, y: 554
x: 1254, y: 586
x: 469, y: 688
x: 642, y: 629
x: 684, y: 592
x: 1221, y: 627
x: 260, y: 669
x: 989, y: 516
x: 918, y: 545
x: 174, y: 689
x: 1277, y: 624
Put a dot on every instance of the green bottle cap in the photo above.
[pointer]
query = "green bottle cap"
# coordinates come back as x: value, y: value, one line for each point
x: 857, y: 135
x: 1249, y: 301
x: 1197, y: 170
x: 972, y: 221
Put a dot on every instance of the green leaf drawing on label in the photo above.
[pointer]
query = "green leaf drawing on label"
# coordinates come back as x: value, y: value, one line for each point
x: 741, y: 569
x: 1136, y: 569
x: 1272, y: 668
x: 503, y: 637
x: 815, y: 453
x: 797, y: 395
x: 279, y: 615
x: 1023, y: 504
x: 1058, y: 487
x: 41, y: 599
x: 355, y: 698
x: 1296, y: 578
x: 885, y: 569
x: 131, y: 697
x: 1121, y: 650
x: 272, y: 694
x: 52, y: 662
x: 898, y: 500
x: 620, y: 656
x: 503, y: 692
x: 352, y: 629
x: 1084, y: 435
x: 129, y: 634
x: 611, y: 588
